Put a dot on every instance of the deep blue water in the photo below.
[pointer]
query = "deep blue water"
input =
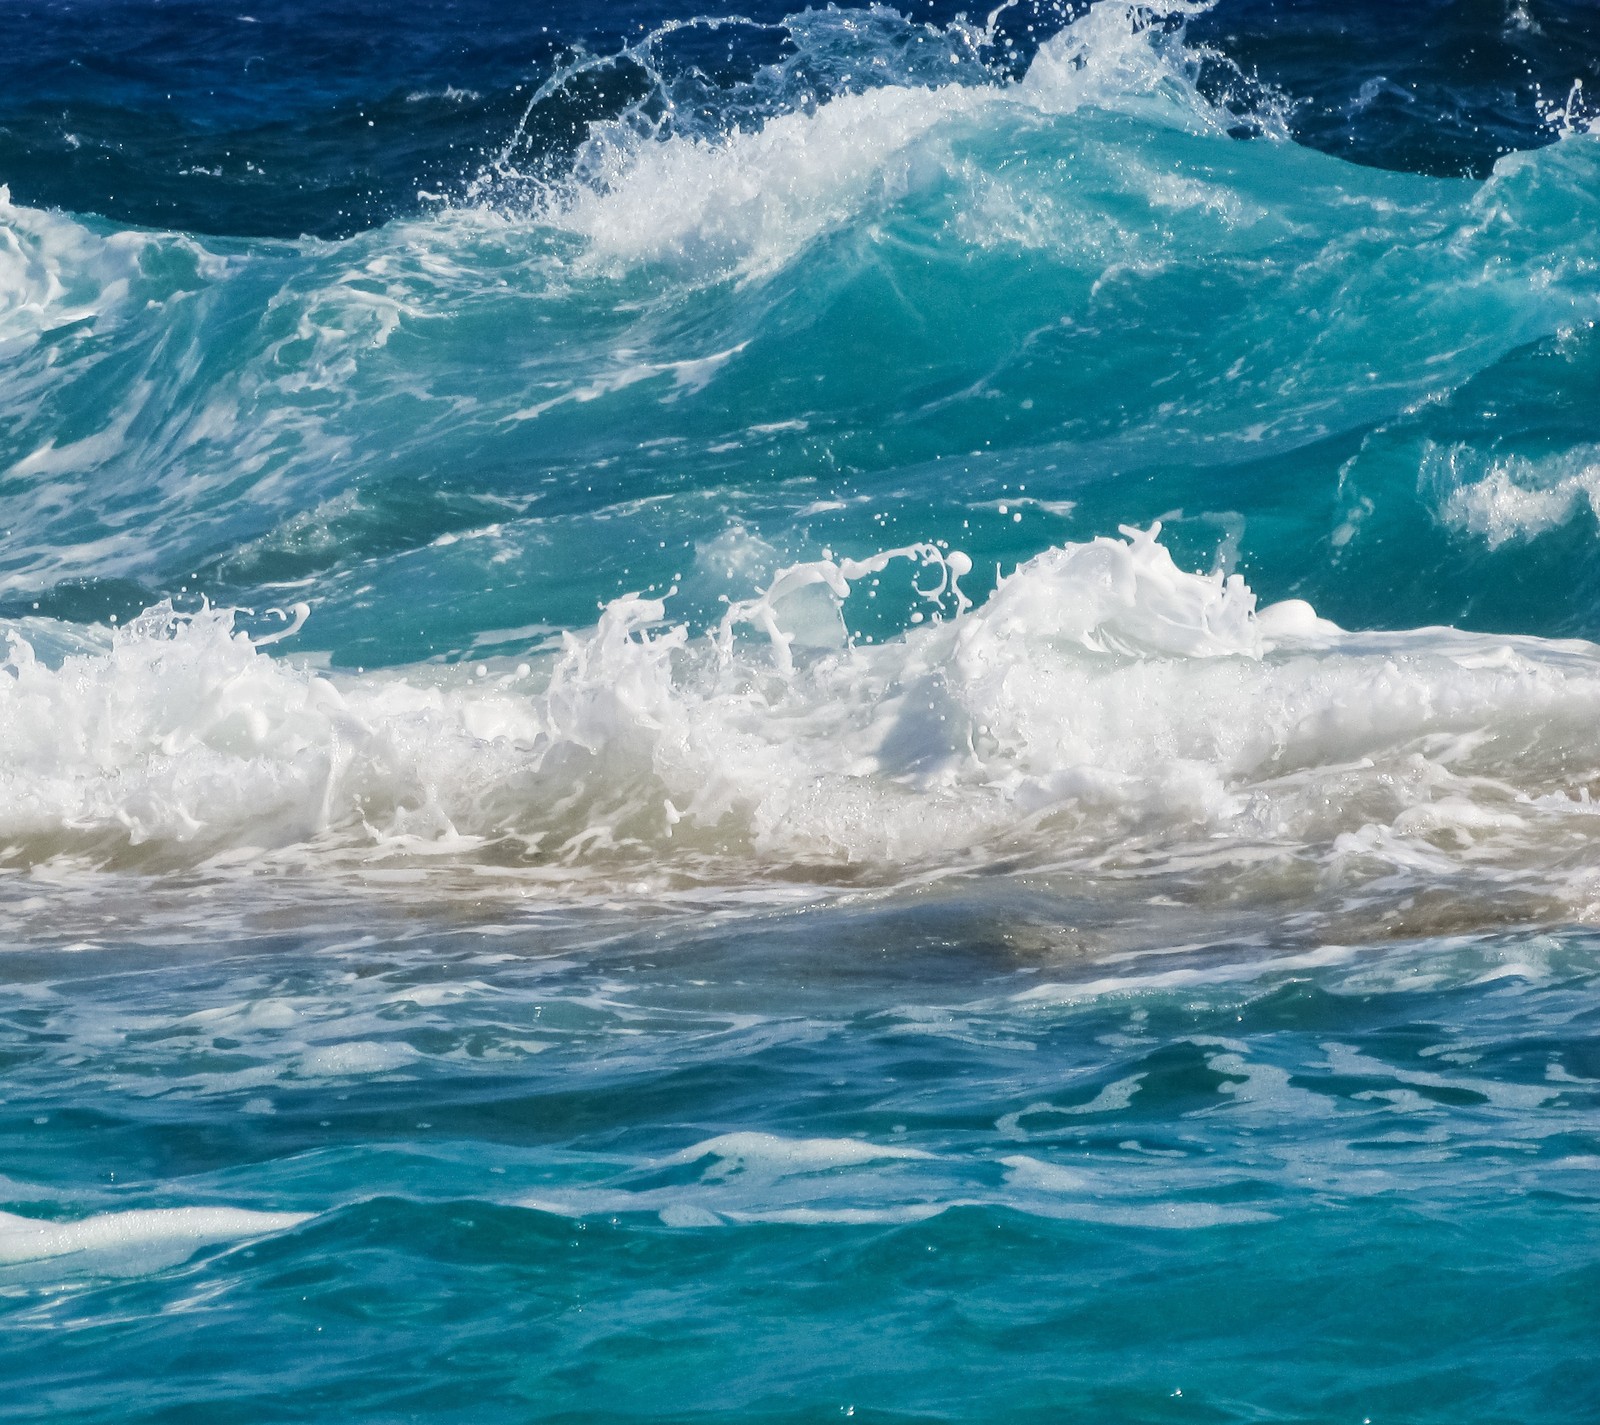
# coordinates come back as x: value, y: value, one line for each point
x: 866, y: 712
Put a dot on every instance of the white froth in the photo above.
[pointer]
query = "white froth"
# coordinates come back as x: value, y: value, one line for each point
x: 1511, y: 498
x: 767, y: 1154
x: 1100, y: 692
x: 355, y: 1057
x: 57, y: 272
x: 145, y: 1237
x: 764, y: 1178
x: 54, y: 271
x: 756, y: 198
x: 748, y: 201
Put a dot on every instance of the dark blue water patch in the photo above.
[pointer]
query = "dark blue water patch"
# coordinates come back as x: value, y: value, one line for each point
x: 1442, y: 87
x: 274, y: 120
x: 269, y: 119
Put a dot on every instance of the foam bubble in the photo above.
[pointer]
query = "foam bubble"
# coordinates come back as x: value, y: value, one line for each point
x: 344, y: 1060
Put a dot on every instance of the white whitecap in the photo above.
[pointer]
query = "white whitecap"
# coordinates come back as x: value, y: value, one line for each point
x: 1505, y: 498
x: 139, y: 1240
x: 771, y: 1155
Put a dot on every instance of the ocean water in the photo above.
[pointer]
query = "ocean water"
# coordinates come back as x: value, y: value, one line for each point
x: 869, y: 712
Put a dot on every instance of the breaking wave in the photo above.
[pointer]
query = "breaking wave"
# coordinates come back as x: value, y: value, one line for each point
x: 1101, y: 706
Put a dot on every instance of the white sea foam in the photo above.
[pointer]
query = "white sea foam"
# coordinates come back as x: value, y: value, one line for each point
x: 764, y: 1178
x: 753, y: 200
x: 141, y: 1240
x: 1511, y: 498
x: 58, y: 272
x: 1100, y: 692
x: 768, y: 1155
x: 749, y: 200
x: 54, y: 271
x: 759, y: 1177
x: 351, y: 1058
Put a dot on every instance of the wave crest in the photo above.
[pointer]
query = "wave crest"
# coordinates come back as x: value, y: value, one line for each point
x: 1102, y: 699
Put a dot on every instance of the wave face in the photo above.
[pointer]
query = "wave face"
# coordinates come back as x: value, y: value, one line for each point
x: 920, y: 689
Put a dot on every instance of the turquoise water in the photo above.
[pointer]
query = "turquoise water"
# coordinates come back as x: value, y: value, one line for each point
x: 870, y: 715
x: 919, y: 1160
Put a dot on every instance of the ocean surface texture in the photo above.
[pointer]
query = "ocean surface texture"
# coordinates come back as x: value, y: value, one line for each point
x: 874, y: 712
